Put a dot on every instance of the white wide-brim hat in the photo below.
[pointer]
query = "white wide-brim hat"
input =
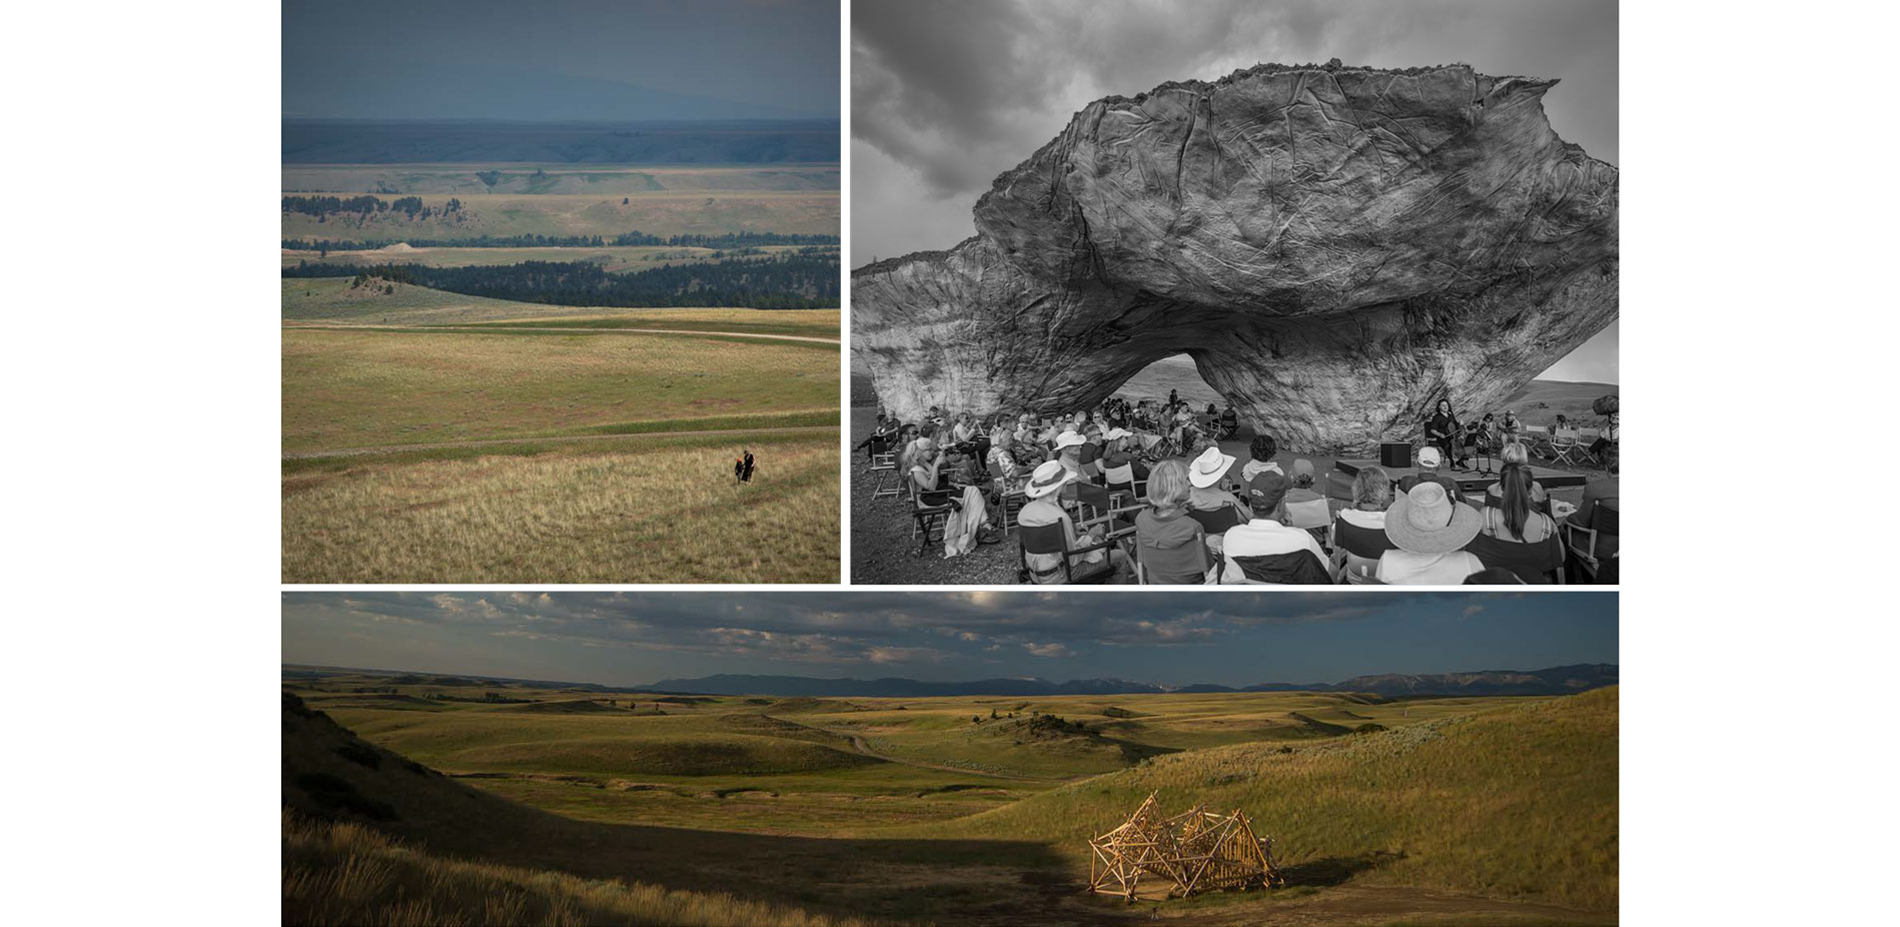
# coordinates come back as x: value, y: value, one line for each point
x: 1428, y: 521
x: 1069, y: 439
x: 1117, y: 432
x: 1208, y: 468
x: 1050, y: 476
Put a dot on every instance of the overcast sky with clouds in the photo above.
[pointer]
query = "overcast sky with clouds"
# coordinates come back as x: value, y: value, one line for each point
x: 944, y: 97
x: 592, y: 60
x: 1179, y: 638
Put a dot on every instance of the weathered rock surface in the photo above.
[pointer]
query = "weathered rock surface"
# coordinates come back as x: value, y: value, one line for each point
x: 1336, y: 248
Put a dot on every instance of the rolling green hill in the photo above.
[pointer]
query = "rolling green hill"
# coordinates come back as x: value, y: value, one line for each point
x: 1518, y: 803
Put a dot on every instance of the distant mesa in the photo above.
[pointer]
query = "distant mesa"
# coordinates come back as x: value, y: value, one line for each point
x: 1335, y: 247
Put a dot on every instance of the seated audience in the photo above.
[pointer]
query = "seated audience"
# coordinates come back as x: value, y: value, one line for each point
x: 1044, y: 508
x: 1601, y: 508
x: 1429, y: 460
x: 1360, y: 530
x: 1265, y: 533
x: 1305, y: 507
x: 1119, y: 450
x: 1068, y: 448
x: 1516, y: 453
x: 1002, y: 459
x: 1205, y: 474
x: 1429, y: 529
x: 885, y: 426
x: 924, y: 465
x: 1171, y: 546
x: 1261, y: 449
x: 1515, y: 518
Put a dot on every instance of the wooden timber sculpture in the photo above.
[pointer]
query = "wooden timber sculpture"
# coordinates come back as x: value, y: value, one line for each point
x: 1195, y: 851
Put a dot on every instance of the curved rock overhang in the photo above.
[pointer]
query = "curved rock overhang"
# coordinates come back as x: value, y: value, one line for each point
x: 1336, y: 248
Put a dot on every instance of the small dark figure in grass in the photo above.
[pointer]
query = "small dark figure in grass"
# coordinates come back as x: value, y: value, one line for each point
x: 745, y: 467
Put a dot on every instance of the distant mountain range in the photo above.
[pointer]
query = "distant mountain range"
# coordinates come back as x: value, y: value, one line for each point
x: 1559, y: 680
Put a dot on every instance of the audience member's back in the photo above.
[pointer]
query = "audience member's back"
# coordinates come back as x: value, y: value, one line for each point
x: 1170, y: 544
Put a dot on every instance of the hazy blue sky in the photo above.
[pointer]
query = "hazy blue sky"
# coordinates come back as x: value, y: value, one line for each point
x: 1173, y: 638
x: 946, y: 96
x: 561, y: 59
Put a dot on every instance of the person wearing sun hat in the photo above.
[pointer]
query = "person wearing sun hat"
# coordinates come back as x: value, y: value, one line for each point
x: 1118, y: 450
x: 1264, y: 534
x: 1204, y: 475
x: 1431, y: 529
x: 1068, y: 450
x: 1045, y: 508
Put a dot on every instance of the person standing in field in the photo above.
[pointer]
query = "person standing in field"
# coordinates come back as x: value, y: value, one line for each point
x: 746, y: 464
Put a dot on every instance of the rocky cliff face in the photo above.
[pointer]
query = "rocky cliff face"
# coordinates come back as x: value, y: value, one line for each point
x: 1335, y: 247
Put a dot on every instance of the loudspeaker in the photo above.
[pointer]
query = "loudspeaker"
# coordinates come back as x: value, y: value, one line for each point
x: 1395, y: 454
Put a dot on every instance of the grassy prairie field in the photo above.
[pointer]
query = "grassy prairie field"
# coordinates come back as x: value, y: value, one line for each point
x: 432, y: 437
x: 701, y: 212
x: 627, y: 510
x: 349, y: 388
x: 331, y: 300
x: 1415, y: 811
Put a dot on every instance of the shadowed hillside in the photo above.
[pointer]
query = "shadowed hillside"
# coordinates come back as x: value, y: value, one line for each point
x: 371, y: 837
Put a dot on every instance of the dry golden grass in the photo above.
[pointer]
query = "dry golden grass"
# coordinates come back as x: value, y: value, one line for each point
x: 1518, y: 804
x: 344, y: 389
x: 631, y: 515
x: 342, y: 873
x: 331, y: 300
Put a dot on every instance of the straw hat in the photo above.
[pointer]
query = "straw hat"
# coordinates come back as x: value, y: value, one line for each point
x: 1068, y: 439
x: 1048, y: 478
x: 1117, y: 432
x: 1207, y: 468
x: 1428, y: 521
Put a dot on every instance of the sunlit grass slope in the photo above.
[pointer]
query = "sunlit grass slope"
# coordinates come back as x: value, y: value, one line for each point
x: 666, y: 512
x: 1519, y: 803
x: 346, y: 389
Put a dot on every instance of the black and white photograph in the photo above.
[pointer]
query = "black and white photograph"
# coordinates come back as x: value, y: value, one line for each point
x: 1234, y: 292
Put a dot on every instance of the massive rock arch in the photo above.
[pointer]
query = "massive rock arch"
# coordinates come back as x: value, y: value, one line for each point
x: 1335, y: 247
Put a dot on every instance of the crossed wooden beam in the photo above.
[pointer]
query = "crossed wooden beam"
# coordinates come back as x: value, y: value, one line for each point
x: 1195, y: 851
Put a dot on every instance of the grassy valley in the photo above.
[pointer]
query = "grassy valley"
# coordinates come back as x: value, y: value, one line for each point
x: 977, y: 809
x: 431, y: 436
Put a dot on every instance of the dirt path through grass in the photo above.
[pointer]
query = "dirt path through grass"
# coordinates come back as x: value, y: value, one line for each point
x: 469, y: 330
x: 491, y: 442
